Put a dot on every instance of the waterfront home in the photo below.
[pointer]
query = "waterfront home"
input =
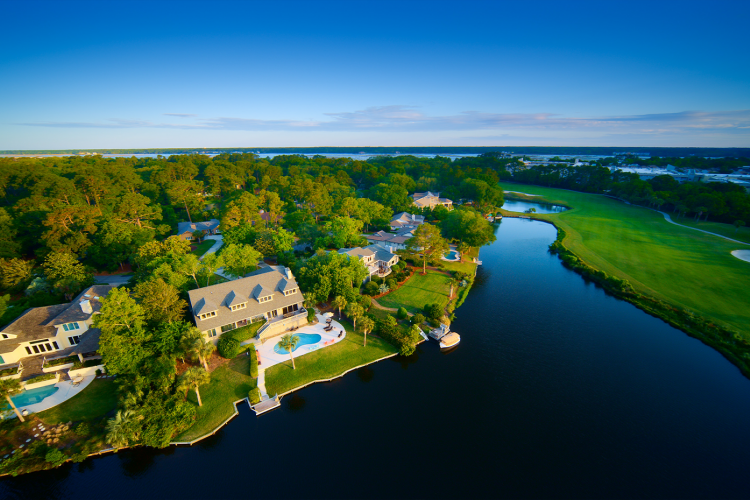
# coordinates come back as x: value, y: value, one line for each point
x: 270, y: 294
x: 377, y: 259
x: 391, y: 242
x: 406, y: 220
x: 53, y: 332
x: 185, y: 230
x: 430, y: 200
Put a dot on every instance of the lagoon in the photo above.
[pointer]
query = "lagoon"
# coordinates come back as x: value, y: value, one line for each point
x: 557, y: 390
x: 523, y: 206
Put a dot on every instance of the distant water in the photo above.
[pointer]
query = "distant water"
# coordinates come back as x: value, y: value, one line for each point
x: 556, y: 390
x: 541, y: 208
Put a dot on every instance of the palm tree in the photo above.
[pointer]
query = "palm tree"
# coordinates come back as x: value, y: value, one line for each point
x: 453, y: 284
x: 354, y: 310
x: 462, y: 248
x: 8, y: 387
x: 309, y: 300
x: 120, y: 430
x: 366, y: 325
x: 194, y: 377
x: 339, y: 302
x: 199, y: 347
x: 289, y: 342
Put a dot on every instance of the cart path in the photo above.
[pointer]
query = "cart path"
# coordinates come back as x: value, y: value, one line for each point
x: 669, y: 219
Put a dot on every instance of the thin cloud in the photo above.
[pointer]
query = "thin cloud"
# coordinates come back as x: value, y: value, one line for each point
x: 180, y: 115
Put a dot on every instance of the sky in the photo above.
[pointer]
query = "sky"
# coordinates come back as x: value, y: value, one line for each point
x: 94, y: 75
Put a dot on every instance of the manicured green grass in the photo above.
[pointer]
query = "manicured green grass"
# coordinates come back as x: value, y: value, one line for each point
x: 467, y: 266
x: 328, y: 362
x: 728, y: 230
x: 419, y: 290
x: 202, y: 247
x: 228, y: 384
x: 683, y: 267
x: 96, y: 400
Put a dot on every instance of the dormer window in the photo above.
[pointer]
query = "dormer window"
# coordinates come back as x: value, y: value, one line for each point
x: 70, y: 326
x: 237, y: 307
x: 287, y: 293
x: 267, y: 298
x: 207, y: 315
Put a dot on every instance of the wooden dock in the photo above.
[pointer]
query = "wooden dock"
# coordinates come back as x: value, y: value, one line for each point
x: 440, y: 332
x: 267, y: 405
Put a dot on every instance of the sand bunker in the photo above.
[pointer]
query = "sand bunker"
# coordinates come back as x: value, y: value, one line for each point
x: 742, y: 255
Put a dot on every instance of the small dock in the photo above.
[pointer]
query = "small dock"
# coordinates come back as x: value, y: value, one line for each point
x: 267, y: 405
x: 440, y: 332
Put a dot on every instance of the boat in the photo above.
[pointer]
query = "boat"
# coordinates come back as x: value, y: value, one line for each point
x: 450, y: 340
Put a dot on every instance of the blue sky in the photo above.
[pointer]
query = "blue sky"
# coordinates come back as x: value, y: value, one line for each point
x: 358, y: 73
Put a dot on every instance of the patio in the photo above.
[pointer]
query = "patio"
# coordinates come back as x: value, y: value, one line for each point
x: 65, y: 390
x: 267, y: 357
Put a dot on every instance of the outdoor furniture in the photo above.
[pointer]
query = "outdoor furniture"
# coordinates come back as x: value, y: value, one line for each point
x: 340, y: 334
x: 77, y: 381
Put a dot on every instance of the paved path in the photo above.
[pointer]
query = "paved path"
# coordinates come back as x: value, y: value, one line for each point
x: 669, y: 219
x: 218, y: 241
x: 262, y: 384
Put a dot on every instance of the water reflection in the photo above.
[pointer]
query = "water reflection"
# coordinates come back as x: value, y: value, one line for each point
x: 365, y: 374
x: 540, y: 208
x: 295, y: 402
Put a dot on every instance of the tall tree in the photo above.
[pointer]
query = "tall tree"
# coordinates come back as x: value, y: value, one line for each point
x: 428, y: 242
x: 8, y: 387
x: 339, y: 303
x: 366, y: 324
x: 240, y: 259
x: 160, y: 301
x: 355, y: 311
x: 193, y: 378
x: 65, y: 273
x: 289, y: 343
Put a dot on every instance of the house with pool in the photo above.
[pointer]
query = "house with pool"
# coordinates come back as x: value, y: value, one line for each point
x: 44, y: 334
x: 270, y: 293
x: 377, y: 259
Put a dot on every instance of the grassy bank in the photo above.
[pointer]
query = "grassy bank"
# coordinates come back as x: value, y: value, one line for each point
x: 418, y: 291
x: 728, y: 230
x: 95, y: 401
x: 687, y: 278
x: 327, y: 363
x: 228, y: 384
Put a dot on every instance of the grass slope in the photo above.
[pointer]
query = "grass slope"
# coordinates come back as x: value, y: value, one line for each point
x: 328, y: 362
x: 728, y: 230
x: 202, y: 247
x: 96, y: 400
x: 228, y: 384
x: 419, y: 290
x: 678, y: 265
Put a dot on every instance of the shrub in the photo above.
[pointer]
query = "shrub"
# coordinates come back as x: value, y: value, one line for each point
x: 433, y: 311
x: 365, y: 301
x: 83, y: 429
x: 372, y: 288
x: 434, y: 322
x: 402, y: 313
x: 391, y: 284
x: 377, y: 280
x: 254, y: 396
x: 417, y: 319
x: 55, y: 457
x: 310, y: 315
x: 253, y: 362
x: 228, y: 346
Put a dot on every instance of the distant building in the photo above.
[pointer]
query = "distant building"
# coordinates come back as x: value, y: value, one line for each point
x: 391, y: 241
x: 430, y: 200
x: 377, y: 259
x: 185, y: 230
x: 406, y: 220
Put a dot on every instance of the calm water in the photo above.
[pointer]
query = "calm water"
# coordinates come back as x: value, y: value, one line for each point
x: 556, y: 390
x: 541, y: 208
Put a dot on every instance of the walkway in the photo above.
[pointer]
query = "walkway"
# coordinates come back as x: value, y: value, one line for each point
x: 219, y: 241
x: 669, y: 219
x: 65, y: 391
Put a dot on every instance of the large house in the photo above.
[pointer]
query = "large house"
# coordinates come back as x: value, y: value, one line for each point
x: 405, y: 220
x: 376, y: 258
x: 185, y: 230
x: 431, y: 200
x: 390, y: 241
x: 270, y: 293
x: 54, y: 331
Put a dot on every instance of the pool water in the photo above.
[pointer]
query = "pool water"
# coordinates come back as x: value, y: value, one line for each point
x: 304, y: 339
x: 32, y: 396
x: 452, y: 255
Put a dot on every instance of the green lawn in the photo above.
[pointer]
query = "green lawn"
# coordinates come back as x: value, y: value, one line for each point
x: 678, y: 265
x: 328, y: 362
x: 467, y: 266
x: 728, y: 230
x: 202, y: 247
x: 228, y: 384
x: 419, y: 290
x: 96, y: 400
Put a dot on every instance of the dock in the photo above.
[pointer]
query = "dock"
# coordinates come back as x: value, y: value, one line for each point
x: 267, y: 405
x: 440, y: 332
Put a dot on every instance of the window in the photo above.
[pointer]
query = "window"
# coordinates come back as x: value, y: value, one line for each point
x: 273, y: 314
x: 289, y: 309
x: 74, y: 340
x: 290, y: 292
x: 207, y: 315
x: 55, y: 345
x: 28, y: 349
x: 5, y: 335
x: 211, y: 332
x: 239, y: 306
x: 265, y: 299
x: 227, y: 328
x: 70, y: 326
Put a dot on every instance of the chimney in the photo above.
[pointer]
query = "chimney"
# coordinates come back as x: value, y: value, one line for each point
x: 86, y: 307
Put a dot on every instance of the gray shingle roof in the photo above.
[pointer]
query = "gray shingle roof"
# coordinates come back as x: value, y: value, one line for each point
x: 260, y: 283
x: 187, y: 227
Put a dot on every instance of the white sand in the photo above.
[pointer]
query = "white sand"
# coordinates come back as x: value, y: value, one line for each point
x: 742, y: 255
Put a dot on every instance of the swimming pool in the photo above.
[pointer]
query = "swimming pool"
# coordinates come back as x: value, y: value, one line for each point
x: 304, y: 339
x: 32, y: 396
x: 452, y: 255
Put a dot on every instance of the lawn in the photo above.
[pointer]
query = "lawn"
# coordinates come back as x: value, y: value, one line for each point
x: 467, y: 266
x: 683, y: 267
x: 96, y: 400
x: 728, y: 230
x: 202, y: 247
x: 229, y: 383
x: 328, y: 362
x: 418, y: 291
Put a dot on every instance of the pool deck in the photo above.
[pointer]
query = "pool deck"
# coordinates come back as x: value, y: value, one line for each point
x: 65, y: 391
x: 268, y: 357
x: 452, y: 248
